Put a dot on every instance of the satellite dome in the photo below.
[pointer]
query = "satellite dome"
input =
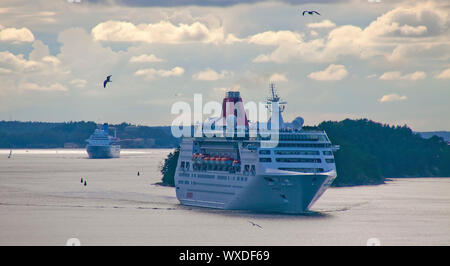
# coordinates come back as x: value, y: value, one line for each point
x: 298, y: 122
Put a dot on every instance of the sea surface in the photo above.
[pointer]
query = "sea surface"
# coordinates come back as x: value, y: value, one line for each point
x: 43, y: 202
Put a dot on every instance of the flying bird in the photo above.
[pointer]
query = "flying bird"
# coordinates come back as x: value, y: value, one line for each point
x: 310, y: 12
x: 255, y: 224
x: 108, y: 79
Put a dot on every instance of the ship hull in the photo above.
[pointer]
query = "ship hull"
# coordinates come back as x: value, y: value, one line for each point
x: 293, y: 193
x: 103, y: 152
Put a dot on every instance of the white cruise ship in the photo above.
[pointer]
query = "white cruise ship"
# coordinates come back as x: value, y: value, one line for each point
x: 101, y: 145
x: 246, y: 173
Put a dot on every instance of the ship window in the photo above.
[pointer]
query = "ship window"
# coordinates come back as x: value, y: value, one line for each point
x: 246, y: 168
x: 298, y: 160
x: 265, y: 160
x: 329, y: 160
x: 287, y: 152
x: 187, y: 165
x: 264, y: 151
x: 327, y: 153
x: 253, y: 170
x: 182, y: 164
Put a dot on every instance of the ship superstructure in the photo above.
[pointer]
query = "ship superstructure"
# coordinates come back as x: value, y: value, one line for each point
x: 251, y: 173
x: 101, y: 145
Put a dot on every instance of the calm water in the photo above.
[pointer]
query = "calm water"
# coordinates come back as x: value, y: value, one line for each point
x: 42, y: 202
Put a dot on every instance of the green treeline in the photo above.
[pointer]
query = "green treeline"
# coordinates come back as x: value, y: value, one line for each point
x: 370, y: 152
x: 15, y: 134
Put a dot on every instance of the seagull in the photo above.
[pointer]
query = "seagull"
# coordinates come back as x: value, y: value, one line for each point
x: 108, y: 79
x: 254, y: 224
x: 310, y: 12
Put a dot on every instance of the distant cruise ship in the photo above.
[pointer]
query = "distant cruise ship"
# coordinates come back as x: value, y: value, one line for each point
x: 243, y: 173
x: 101, y: 145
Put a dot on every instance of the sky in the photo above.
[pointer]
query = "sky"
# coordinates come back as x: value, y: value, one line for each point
x: 388, y: 61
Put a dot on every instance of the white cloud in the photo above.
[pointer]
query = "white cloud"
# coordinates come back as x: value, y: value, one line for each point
x: 16, y: 35
x: 404, y: 33
x: 161, y: 32
x: 210, y: 75
x: 392, y: 98
x: 332, y: 72
x: 418, y: 20
x: 397, y: 75
x: 445, y: 74
x: 18, y: 64
x: 145, y: 58
x: 37, y: 87
x: 324, y: 24
x: 152, y: 73
x: 278, y: 78
x: 79, y: 83
x: 5, y: 71
x: 275, y: 38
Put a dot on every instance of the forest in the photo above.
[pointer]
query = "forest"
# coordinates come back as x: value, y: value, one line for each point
x: 15, y: 135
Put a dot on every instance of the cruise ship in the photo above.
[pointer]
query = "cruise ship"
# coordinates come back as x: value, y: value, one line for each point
x: 251, y: 172
x: 101, y: 145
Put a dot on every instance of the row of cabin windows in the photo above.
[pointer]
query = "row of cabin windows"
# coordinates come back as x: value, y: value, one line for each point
x: 303, y: 137
x: 298, y: 152
x: 298, y: 160
x: 295, y: 160
x: 303, y: 170
x: 305, y: 145
x: 291, y: 160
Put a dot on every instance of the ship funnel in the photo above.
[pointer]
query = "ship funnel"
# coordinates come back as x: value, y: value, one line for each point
x: 232, y: 105
x: 105, y: 127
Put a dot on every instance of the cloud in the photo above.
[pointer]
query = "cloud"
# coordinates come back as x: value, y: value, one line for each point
x: 445, y: 74
x: 332, y: 72
x: 37, y: 87
x: 18, y: 64
x: 210, y: 75
x: 275, y: 38
x: 152, y: 73
x: 145, y: 58
x: 278, y: 78
x: 422, y: 19
x: 392, y: 98
x: 79, y: 83
x: 324, y: 24
x: 397, y: 75
x: 161, y: 32
x: 404, y: 33
x: 175, y: 3
x: 15, y: 35
x: 5, y: 71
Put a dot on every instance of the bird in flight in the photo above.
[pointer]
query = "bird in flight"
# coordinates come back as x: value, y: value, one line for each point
x: 310, y: 12
x: 108, y: 79
x: 255, y: 224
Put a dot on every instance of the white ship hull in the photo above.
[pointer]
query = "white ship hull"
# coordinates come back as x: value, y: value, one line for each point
x: 284, y: 193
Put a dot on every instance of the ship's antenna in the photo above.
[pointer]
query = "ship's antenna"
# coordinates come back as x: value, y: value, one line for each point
x: 272, y: 87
